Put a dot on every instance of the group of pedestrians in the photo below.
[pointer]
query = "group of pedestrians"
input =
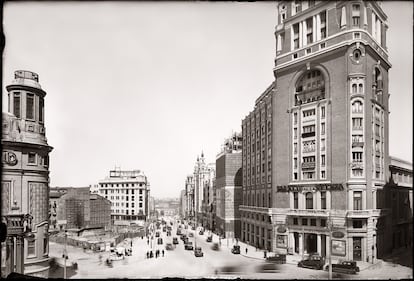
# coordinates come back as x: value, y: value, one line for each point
x: 156, y: 253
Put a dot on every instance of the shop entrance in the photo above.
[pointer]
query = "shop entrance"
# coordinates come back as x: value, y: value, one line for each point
x: 311, y: 243
x: 357, y: 248
x: 296, y: 236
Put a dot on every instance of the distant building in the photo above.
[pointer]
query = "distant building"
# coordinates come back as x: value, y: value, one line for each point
x: 94, y: 188
x: 167, y: 207
x: 189, y: 197
x: 77, y: 208
x: 25, y: 176
x: 183, y: 205
x: 398, y: 198
x: 228, y: 189
x: 128, y: 192
x: 208, y: 202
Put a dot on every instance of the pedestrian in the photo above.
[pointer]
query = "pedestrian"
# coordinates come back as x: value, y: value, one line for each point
x: 131, y: 243
x: 148, y: 242
x: 246, y: 250
x: 163, y: 252
x: 147, y: 254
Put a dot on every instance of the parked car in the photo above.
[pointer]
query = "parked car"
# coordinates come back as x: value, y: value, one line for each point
x: 189, y: 246
x: 201, y: 232
x: 169, y: 247
x: 236, y: 249
x: 186, y: 241
x: 277, y: 258
x: 313, y: 261
x: 183, y: 236
x: 159, y: 241
x: 178, y: 232
x: 268, y: 267
x: 175, y: 240
x: 168, y: 233
x: 190, y: 234
x: 345, y: 267
x: 215, y: 247
x: 198, y: 252
x: 157, y: 234
x: 209, y: 238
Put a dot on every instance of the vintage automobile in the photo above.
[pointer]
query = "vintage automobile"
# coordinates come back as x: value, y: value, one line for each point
x: 175, y: 240
x: 190, y: 234
x: 186, y: 241
x: 345, y: 267
x: 215, y: 247
x: 268, y: 267
x: 157, y: 234
x: 236, y: 249
x: 277, y: 258
x: 159, y: 241
x: 313, y: 261
x: 189, y: 246
x: 201, y: 232
x: 178, y: 232
x: 198, y: 252
x: 169, y: 246
x: 209, y: 238
x: 183, y: 236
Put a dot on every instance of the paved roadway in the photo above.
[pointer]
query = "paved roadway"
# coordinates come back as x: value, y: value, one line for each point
x: 182, y: 263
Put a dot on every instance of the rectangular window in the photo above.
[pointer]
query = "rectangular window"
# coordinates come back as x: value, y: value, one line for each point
x: 355, y: 15
x: 295, y: 36
x: 322, y: 112
x: 309, y: 31
x: 323, y: 222
x: 357, y: 200
x: 356, y: 156
x: 323, y: 25
x: 31, y: 248
x: 322, y: 128
x: 41, y: 110
x: 323, y: 174
x: 357, y: 223
x: 313, y: 222
x: 45, y: 246
x: 323, y: 160
x: 140, y: 191
x: 295, y: 118
x: 323, y: 199
x: 16, y: 105
x: 30, y: 106
x: 304, y: 221
x: 32, y: 158
x: 295, y: 221
x: 295, y: 200
x: 140, y: 204
x: 357, y: 123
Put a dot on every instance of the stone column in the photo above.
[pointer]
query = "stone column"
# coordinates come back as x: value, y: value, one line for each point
x: 301, y: 238
x: 291, y: 240
x: 300, y: 35
x: 318, y: 27
x: 328, y: 245
x: 19, y: 254
x: 350, y: 200
x: 304, y: 30
x: 343, y: 17
x: 319, y: 244
x: 314, y: 29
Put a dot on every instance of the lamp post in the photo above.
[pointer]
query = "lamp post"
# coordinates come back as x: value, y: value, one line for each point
x: 330, y: 246
x: 65, y: 255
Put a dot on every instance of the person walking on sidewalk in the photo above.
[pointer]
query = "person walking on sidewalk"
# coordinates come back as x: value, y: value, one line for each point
x: 163, y: 252
x: 246, y: 250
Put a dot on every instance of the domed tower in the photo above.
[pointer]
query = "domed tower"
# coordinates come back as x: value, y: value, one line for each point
x: 25, y: 180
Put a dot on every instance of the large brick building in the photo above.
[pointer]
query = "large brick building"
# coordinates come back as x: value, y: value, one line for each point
x: 330, y: 108
x: 257, y: 135
x: 25, y: 175
x: 77, y: 208
x: 228, y: 188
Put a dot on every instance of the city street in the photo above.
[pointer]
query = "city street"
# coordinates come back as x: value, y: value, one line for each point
x: 182, y: 263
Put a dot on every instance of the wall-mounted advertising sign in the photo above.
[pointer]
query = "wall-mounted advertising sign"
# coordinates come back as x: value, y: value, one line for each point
x: 338, y: 247
x: 310, y: 187
x: 338, y: 234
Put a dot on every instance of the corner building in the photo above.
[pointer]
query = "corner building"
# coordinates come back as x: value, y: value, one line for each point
x: 330, y: 112
x: 25, y: 175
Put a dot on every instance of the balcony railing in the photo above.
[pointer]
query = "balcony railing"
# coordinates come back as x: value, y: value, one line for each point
x: 362, y: 213
x: 308, y: 212
x: 357, y: 144
x: 357, y: 165
x: 308, y: 165
x: 308, y: 134
x: 308, y: 96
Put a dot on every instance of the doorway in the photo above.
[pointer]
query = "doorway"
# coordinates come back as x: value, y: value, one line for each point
x: 296, y: 236
x: 357, y: 248
x: 311, y: 243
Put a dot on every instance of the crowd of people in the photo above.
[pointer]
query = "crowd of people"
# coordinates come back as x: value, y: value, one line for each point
x: 155, y: 253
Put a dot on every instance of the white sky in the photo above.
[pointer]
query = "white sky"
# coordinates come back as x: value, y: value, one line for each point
x: 145, y: 85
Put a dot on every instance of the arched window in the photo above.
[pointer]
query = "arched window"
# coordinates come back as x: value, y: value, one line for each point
x: 357, y: 107
x: 310, y: 87
x: 309, y: 200
x: 360, y: 88
x: 377, y: 78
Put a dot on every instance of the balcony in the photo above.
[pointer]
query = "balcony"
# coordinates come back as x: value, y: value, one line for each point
x: 308, y: 212
x: 362, y: 214
x: 357, y: 165
x: 357, y: 144
x: 308, y: 165
x: 308, y: 134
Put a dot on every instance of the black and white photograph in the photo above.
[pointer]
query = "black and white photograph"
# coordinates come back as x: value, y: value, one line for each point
x: 207, y: 139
